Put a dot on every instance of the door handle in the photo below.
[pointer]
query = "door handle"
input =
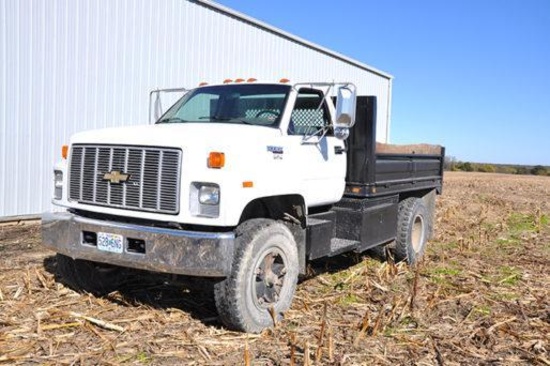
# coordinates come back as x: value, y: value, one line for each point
x: 339, y: 150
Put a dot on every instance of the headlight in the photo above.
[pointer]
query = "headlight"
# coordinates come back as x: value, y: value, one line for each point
x: 209, y: 195
x: 204, y: 199
x: 58, y: 184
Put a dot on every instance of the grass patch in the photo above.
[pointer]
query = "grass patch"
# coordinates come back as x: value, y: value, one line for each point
x: 509, y: 275
x: 504, y: 296
x: 349, y: 299
x: 389, y: 332
x: 443, y: 272
x: 508, y: 242
x: 140, y: 358
x: 446, y: 271
x: 444, y: 276
x: 504, y: 275
x: 520, y: 222
x: 143, y: 358
x: 448, y: 245
x: 482, y: 310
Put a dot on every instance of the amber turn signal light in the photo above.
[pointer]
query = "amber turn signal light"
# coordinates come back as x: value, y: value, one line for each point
x: 216, y: 160
x: 65, y: 151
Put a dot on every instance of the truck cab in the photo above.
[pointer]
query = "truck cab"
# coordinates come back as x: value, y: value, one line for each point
x: 242, y: 182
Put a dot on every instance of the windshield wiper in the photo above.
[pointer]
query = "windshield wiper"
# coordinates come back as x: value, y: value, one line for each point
x: 244, y: 122
x: 216, y: 118
x: 229, y: 119
x: 171, y: 120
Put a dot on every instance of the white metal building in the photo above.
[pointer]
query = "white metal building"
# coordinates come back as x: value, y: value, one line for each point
x: 72, y: 65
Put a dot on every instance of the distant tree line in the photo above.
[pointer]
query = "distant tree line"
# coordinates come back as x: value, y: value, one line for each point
x: 452, y: 164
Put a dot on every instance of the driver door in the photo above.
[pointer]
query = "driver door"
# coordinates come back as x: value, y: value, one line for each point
x: 318, y: 158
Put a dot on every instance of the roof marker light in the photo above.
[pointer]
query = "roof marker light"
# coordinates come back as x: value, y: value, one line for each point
x: 284, y: 80
x: 239, y: 80
x: 251, y: 80
x: 227, y: 81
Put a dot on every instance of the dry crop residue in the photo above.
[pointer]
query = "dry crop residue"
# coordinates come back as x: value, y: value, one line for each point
x: 481, y: 296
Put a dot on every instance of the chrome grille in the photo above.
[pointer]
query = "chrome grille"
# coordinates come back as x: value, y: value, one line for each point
x: 152, y: 185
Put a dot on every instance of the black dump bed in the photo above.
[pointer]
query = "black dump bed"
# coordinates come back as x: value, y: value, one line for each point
x: 375, y: 169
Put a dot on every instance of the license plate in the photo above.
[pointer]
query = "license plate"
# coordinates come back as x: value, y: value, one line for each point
x: 110, y: 242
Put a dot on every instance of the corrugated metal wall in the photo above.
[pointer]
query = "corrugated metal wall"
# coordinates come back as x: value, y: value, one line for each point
x: 72, y: 65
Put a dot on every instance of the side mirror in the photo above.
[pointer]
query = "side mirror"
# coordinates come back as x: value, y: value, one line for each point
x: 345, y: 106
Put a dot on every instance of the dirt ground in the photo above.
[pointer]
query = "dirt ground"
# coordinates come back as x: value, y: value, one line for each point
x: 481, y: 296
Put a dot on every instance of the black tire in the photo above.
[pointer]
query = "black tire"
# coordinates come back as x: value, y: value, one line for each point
x: 263, y: 276
x: 88, y: 276
x: 413, y: 230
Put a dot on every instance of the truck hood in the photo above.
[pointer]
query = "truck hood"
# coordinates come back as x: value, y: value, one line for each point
x: 176, y: 135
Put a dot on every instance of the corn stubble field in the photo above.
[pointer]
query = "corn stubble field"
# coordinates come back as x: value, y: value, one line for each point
x: 481, y: 296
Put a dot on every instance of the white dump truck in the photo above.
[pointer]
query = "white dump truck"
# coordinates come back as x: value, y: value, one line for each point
x: 243, y: 182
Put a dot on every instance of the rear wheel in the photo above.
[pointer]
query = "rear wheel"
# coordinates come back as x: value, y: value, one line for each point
x: 263, y: 277
x: 412, y: 230
x: 84, y: 275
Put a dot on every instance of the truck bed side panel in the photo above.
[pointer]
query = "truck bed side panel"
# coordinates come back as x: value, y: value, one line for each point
x: 392, y: 170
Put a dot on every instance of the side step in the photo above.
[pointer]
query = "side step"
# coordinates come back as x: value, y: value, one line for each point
x: 339, y: 246
x: 317, y: 222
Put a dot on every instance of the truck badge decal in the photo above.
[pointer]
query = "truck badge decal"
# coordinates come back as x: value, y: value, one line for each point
x: 116, y: 177
x: 275, y: 149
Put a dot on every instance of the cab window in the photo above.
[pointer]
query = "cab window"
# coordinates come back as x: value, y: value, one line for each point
x: 310, y: 113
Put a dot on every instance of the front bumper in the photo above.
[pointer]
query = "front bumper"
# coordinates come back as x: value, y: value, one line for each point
x: 166, y: 250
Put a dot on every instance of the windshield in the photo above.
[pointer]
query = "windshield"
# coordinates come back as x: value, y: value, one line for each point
x: 254, y: 104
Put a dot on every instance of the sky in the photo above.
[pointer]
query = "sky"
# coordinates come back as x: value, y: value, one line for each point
x: 472, y: 75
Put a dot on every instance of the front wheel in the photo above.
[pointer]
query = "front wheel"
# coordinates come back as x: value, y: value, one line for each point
x: 263, y: 277
x: 413, y: 230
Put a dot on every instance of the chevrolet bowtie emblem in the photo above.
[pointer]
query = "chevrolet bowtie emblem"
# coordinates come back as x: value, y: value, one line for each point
x: 116, y: 177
